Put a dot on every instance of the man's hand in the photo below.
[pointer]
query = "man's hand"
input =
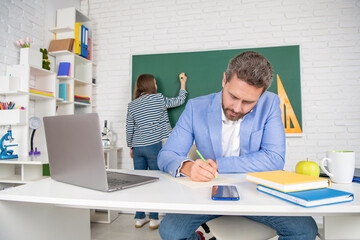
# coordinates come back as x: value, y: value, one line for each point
x: 199, y: 171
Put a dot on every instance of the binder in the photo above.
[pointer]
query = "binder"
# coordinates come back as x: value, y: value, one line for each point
x: 89, y: 49
x: 77, y: 48
x: 287, y: 181
x: 311, y: 198
x: 84, y: 41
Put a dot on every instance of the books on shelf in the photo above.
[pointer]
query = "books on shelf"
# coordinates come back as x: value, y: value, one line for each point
x: 311, y: 198
x: 81, y: 99
x: 41, y: 92
x: 64, y: 69
x: 64, y: 91
x: 287, y: 181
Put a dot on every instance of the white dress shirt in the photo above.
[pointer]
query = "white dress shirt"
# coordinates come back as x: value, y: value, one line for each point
x: 230, y: 137
x: 230, y: 140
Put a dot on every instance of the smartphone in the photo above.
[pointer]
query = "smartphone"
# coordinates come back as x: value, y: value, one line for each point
x: 224, y: 192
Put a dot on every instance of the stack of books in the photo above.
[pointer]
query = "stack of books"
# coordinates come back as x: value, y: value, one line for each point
x: 41, y: 92
x: 82, y: 99
x: 306, y: 191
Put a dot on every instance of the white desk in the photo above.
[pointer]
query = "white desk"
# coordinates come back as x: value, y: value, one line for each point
x: 49, y: 208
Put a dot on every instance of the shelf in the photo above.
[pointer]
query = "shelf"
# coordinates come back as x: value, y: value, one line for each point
x: 60, y: 53
x: 14, y: 93
x: 27, y: 160
x: 64, y: 77
x: 81, y: 82
x: 82, y: 104
x: 56, y: 30
x: 17, y: 179
x: 85, y: 60
x: 80, y: 17
x: 66, y: 52
x: 40, y: 71
x: 35, y: 96
x: 103, y: 216
x: 65, y: 102
x: 23, y: 169
x: 11, y: 179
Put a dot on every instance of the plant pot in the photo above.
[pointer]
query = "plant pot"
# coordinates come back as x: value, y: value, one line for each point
x: 30, y: 57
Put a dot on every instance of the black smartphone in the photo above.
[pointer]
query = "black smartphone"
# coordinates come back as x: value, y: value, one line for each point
x: 225, y: 192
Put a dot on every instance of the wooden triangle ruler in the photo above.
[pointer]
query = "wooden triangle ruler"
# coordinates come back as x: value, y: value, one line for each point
x: 289, y: 119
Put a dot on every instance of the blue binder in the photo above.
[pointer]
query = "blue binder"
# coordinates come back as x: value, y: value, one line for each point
x: 84, y: 41
x: 311, y: 198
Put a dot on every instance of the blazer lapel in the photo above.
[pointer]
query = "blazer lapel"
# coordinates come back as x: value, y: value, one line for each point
x: 245, y: 132
x: 215, y: 125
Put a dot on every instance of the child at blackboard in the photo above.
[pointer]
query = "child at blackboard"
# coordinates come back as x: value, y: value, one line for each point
x: 147, y: 124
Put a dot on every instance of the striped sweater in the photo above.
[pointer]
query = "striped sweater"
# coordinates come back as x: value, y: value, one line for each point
x: 147, y: 120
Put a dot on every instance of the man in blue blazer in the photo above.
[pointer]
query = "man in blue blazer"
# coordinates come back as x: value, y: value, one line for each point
x: 237, y: 130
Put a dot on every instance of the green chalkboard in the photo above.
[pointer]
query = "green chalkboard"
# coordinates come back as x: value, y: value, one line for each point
x: 205, y: 72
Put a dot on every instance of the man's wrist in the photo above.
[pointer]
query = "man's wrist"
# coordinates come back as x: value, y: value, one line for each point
x: 186, y: 168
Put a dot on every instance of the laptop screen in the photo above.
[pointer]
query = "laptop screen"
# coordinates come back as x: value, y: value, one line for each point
x: 75, y: 150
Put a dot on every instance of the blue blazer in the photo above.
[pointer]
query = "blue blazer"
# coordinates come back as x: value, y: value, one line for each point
x: 262, y: 136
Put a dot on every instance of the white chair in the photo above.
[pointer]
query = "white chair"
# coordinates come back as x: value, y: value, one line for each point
x: 235, y: 227
x: 240, y: 228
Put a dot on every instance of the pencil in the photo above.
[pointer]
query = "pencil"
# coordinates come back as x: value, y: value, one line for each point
x: 202, y: 158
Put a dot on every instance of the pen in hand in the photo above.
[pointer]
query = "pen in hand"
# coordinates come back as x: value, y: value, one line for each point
x: 202, y: 158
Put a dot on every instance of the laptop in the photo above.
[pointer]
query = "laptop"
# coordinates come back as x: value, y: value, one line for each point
x: 76, y: 154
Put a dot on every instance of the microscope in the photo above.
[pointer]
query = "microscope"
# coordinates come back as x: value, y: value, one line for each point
x: 106, y: 136
x: 4, y: 153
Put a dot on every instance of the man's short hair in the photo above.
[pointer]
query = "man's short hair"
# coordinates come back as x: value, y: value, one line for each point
x: 251, y: 67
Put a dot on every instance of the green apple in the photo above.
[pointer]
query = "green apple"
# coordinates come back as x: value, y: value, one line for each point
x: 308, y: 168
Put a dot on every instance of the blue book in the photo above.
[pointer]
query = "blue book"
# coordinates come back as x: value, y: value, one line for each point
x: 63, y: 91
x: 64, y: 69
x: 311, y: 198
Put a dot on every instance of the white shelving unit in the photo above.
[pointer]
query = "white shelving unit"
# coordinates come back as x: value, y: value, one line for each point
x: 34, y: 105
x: 111, y: 157
x: 80, y: 79
x: 24, y: 168
x: 15, y: 87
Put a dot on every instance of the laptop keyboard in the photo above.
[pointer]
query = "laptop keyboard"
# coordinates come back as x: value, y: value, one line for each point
x: 114, y: 180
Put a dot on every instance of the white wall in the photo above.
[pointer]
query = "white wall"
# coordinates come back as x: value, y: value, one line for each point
x: 27, y: 18
x: 19, y: 19
x: 327, y: 31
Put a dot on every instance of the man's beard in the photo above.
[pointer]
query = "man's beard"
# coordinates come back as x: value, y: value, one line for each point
x: 232, y: 117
